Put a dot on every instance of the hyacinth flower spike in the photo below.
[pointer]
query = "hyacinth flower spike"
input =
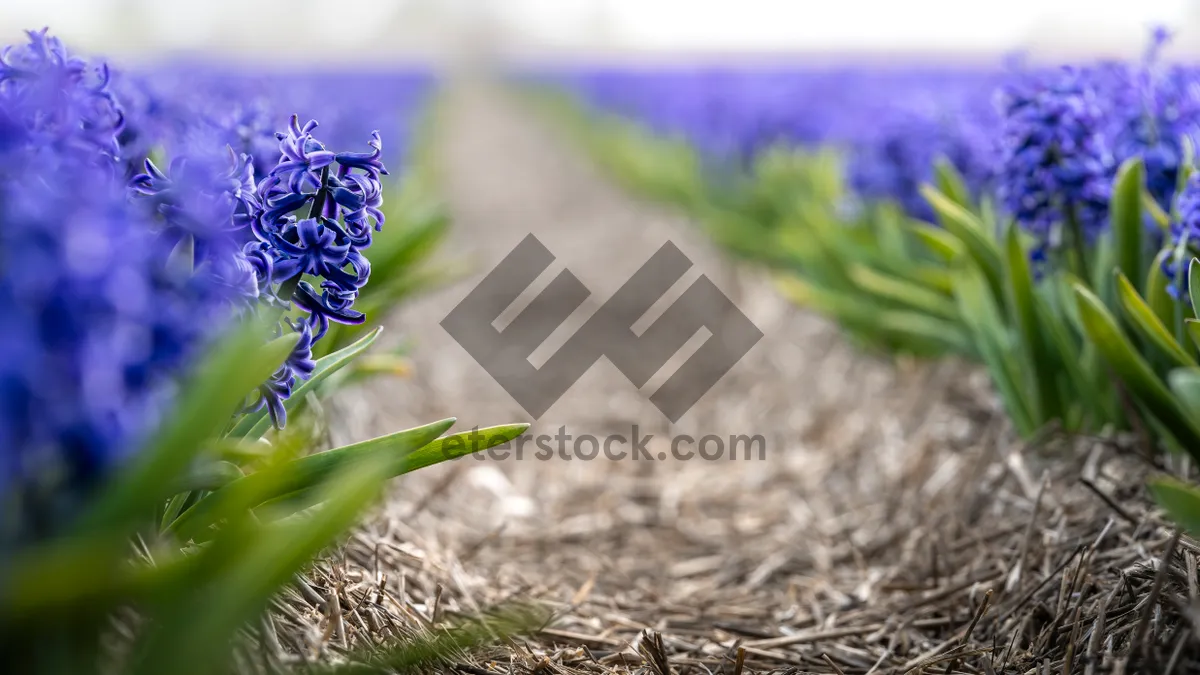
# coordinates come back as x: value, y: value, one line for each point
x: 308, y: 221
x: 317, y: 209
x: 1055, y: 167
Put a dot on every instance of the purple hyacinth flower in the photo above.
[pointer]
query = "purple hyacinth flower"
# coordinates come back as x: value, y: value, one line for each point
x: 317, y: 208
x: 63, y: 102
x: 1055, y: 164
x: 314, y: 246
x: 370, y: 162
x: 303, y: 157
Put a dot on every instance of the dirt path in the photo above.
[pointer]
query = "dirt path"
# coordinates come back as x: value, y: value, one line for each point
x: 887, y: 503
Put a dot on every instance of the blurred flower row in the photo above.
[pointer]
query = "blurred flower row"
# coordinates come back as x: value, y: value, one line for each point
x: 1043, y: 220
x: 892, y: 121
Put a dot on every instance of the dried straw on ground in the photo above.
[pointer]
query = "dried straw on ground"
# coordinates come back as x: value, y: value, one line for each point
x: 894, y: 526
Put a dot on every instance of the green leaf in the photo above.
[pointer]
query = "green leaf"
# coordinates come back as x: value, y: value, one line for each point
x: 246, y: 565
x: 172, y: 510
x: 1103, y: 262
x: 1156, y: 294
x: 461, y: 445
x: 937, y: 278
x: 208, y: 476
x: 89, y: 570
x: 1160, y: 217
x: 971, y: 232
x: 1087, y: 382
x: 929, y: 330
x: 1143, y: 319
x: 940, y: 242
x: 1127, y: 226
x: 239, y: 496
x: 439, y: 450
x: 904, y: 292
x: 1040, y: 366
x: 1192, y: 326
x: 240, y: 451
x: 991, y: 337
x: 1193, y: 273
x: 237, y: 365
x: 1185, y: 383
x: 925, y: 333
x: 254, y: 425
x: 834, y: 235
x: 951, y: 183
x: 890, y: 236
x: 1180, y: 500
x: 1137, y: 375
x: 367, y: 367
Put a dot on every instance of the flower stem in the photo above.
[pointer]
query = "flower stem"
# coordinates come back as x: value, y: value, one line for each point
x: 1078, y: 245
x: 318, y: 203
x: 288, y: 288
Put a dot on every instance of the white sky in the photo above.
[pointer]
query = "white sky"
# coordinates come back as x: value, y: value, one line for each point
x: 853, y: 24
x: 667, y: 25
x: 883, y: 23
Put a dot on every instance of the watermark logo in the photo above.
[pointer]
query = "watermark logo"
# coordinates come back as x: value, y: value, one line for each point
x: 504, y: 354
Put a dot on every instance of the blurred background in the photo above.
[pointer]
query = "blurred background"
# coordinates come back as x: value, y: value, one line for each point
x: 487, y: 30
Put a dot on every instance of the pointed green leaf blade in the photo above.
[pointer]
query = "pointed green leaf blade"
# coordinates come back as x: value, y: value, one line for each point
x: 1185, y: 383
x: 305, y: 473
x: 1192, y: 326
x: 439, y: 450
x: 1193, y: 273
x: 1156, y: 294
x: 1093, y: 388
x: 904, y: 292
x: 939, y: 242
x: 1040, y: 366
x: 989, y: 334
x: 1118, y: 352
x: 1126, y: 213
x: 461, y: 445
x: 971, y: 232
x: 951, y: 183
x: 1148, y: 325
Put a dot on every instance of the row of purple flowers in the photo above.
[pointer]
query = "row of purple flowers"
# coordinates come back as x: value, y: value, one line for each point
x: 140, y: 211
